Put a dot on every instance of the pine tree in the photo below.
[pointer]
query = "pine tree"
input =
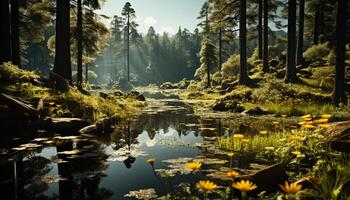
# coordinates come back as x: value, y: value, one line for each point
x: 15, y: 45
x: 300, y: 50
x: 339, y: 86
x: 291, y: 76
x: 243, y: 76
x: 5, y: 50
x: 129, y: 14
x: 62, y: 53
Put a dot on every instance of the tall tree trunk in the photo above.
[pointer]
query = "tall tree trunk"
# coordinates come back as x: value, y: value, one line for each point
x: 86, y: 73
x: 339, y: 86
x: 220, y: 49
x: 291, y: 50
x: 79, y: 42
x: 266, y: 37
x: 260, y: 30
x: 5, y: 50
x: 300, y: 59
x: 128, y: 48
x: 317, y: 24
x: 243, y: 78
x: 207, y: 37
x: 15, y: 46
x: 62, y: 49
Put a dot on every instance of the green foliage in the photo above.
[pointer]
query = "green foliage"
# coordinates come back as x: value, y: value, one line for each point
x: 317, y: 51
x: 10, y: 73
x: 208, y: 58
x: 231, y: 66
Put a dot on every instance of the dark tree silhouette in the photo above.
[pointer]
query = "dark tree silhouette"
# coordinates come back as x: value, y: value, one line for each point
x: 62, y: 48
x: 79, y: 42
x: 266, y: 37
x: 260, y: 30
x: 5, y: 50
x: 129, y: 13
x: 291, y: 76
x: 15, y: 45
x: 243, y: 78
x: 300, y: 59
x: 317, y: 23
x: 339, y: 86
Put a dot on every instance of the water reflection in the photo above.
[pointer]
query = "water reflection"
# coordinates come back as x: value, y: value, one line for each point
x: 110, y: 165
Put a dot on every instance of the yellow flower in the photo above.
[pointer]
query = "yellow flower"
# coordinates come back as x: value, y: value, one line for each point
x: 296, y: 153
x: 246, y: 140
x: 193, y: 165
x: 238, y: 136
x: 276, y: 122
x: 206, y: 186
x: 326, y: 116
x: 231, y: 154
x: 308, y: 119
x: 290, y: 188
x: 302, y: 123
x: 308, y: 126
x: 306, y: 116
x: 232, y: 174
x: 244, y: 186
x: 269, y: 148
x: 321, y: 121
x: 284, y: 116
x: 324, y: 125
x: 263, y: 132
x: 151, y: 161
x: 296, y: 138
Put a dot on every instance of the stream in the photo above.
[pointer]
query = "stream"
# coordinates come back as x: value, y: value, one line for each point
x: 109, y: 166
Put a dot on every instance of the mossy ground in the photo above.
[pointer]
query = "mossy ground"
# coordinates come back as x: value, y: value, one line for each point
x: 91, y: 107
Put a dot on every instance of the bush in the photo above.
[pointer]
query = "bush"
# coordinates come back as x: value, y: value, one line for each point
x: 10, y: 73
x: 231, y: 66
x: 317, y: 51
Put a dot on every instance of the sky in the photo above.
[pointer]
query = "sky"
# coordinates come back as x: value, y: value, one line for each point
x: 163, y: 15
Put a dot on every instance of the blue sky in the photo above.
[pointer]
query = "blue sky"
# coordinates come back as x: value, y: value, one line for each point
x: 163, y: 15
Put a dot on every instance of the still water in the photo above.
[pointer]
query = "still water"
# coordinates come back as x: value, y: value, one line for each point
x: 109, y: 166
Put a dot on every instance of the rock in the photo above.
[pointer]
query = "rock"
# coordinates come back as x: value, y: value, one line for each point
x: 338, y: 135
x: 274, y: 63
x: 68, y: 124
x: 104, y: 125
x: 96, y: 87
x: 267, y: 179
x: 255, y: 111
x: 220, y: 106
x: 118, y: 93
x: 104, y: 95
x: 228, y: 85
x: 58, y: 82
x: 136, y: 95
x: 88, y: 129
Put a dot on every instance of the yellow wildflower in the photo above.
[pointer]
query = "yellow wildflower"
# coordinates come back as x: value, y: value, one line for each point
x: 290, y: 188
x: 326, y: 116
x: 238, y: 136
x: 296, y: 138
x: 232, y: 174
x: 296, y: 153
x: 306, y: 116
x: 244, y: 186
x: 308, y: 126
x: 263, y: 132
x: 302, y: 123
x: 193, y: 165
x: 284, y: 116
x: 206, y: 186
x: 321, y: 121
x: 276, y: 122
x: 246, y: 140
x: 231, y: 154
x: 324, y: 125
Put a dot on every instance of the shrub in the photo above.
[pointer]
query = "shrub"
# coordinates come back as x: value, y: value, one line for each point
x: 231, y: 66
x: 317, y: 51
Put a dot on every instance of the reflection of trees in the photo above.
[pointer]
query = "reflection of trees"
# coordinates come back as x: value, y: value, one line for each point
x: 83, y: 171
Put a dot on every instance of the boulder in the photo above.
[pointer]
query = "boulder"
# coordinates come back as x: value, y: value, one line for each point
x: 104, y: 125
x: 267, y: 179
x: 118, y: 93
x: 136, y: 95
x: 104, y: 95
x: 220, y: 106
x: 255, y: 111
x: 68, y: 124
x: 338, y: 136
x: 304, y: 73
